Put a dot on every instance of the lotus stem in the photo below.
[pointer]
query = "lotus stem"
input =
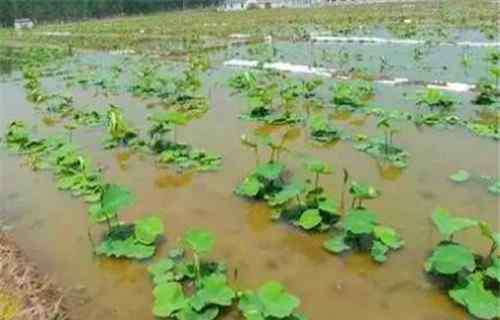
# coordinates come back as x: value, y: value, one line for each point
x: 197, y: 267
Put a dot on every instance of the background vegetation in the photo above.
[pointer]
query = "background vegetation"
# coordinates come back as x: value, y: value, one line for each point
x: 44, y: 10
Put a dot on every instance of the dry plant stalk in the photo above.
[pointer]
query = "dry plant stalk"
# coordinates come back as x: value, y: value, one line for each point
x: 24, y: 293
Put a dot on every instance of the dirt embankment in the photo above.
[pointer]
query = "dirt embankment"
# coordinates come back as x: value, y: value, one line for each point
x: 26, y: 294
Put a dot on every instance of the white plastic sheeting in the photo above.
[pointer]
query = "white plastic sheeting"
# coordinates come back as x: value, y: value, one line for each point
x: 323, y: 72
x: 376, y: 40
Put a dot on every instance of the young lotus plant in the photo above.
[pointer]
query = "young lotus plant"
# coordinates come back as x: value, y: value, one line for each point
x: 361, y: 231
x: 118, y: 129
x: 191, y: 287
x: 472, y: 280
x: 361, y: 192
x: 271, y: 301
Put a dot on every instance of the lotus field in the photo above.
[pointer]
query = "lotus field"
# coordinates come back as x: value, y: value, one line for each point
x: 266, y: 164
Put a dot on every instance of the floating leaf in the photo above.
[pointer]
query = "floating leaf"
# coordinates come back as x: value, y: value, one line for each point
x: 336, y: 244
x: 169, y: 298
x: 450, y: 259
x: 494, y: 188
x: 448, y: 225
x: 460, y: 176
x: 289, y: 192
x: 190, y: 314
x: 379, y: 251
x: 360, y: 222
x: 310, y: 219
x: 479, y: 301
x: 250, y: 187
x: 128, y: 248
x: 329, y: 206
x: 199, y: 241
x: 270, y: 171
x: 148, y: 229
x: 388, y: 236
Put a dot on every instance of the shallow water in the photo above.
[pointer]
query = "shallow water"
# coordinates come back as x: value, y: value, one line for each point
x: 53, y: 228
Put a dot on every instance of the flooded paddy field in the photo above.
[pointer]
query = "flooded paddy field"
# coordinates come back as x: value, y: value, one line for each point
x: 402, y: 150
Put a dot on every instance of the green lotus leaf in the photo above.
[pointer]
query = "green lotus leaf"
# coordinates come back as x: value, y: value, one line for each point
x: 251, y: 307
x: 289, y: 192
x: 460, y: 176
x: 488, y: 233
x: 450, y: 259
x: 363, y: 191
x: 199, y: 241
x: 329, y: 206
x: 214, y: 290
x: 310, y: 219
x: 169, y: 298
x: 494, y: 270
x: 318, y: 166
x: 388, y: 236
x: 269, y: 171
x: 494, y: 188
x: 336, y: 244
x: 448, y: 225
x: 148, y: 229
x: 479, y: 301
x: 161, y: 271
x: 360, y: 222
x: 276, y: 301
x: 128, y: 248
x: 114, y: 198
x: 379, y: 251
x: 250, y: 187
x: 190, y: 314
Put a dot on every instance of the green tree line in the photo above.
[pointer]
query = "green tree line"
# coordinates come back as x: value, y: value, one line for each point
x: 69, y: 10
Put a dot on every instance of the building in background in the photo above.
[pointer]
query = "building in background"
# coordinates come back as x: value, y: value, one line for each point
x: 233, y: 5
x: 23, y: 24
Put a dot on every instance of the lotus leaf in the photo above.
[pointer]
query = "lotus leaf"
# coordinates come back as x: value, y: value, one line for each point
x: 310, y: 219
x: 289, y: 192
x: 494, y: 270
x: 448, y: 225
x: 269, y: 171
x: 148, y: 229
x: 479, y: 301
x: 214, y: 291
x: 360, y: 222
x: 128, y: 248
x: 460, y: 176
x: 199, y: 241
x: 250, y: 187
x: 450, y: 259
x: 169, y: 299
x: 336, y: 244
x: 388, y: 236
x: 379, y: 251
x: 271, y: 300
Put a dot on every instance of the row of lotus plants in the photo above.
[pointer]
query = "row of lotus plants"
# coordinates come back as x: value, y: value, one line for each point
x: 183, y: 104
x: 187, y: 284
x: 306, y: 205
x: 275, y: 100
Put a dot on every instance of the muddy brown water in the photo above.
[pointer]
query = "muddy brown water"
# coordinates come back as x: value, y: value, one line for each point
x: 52, y: 227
